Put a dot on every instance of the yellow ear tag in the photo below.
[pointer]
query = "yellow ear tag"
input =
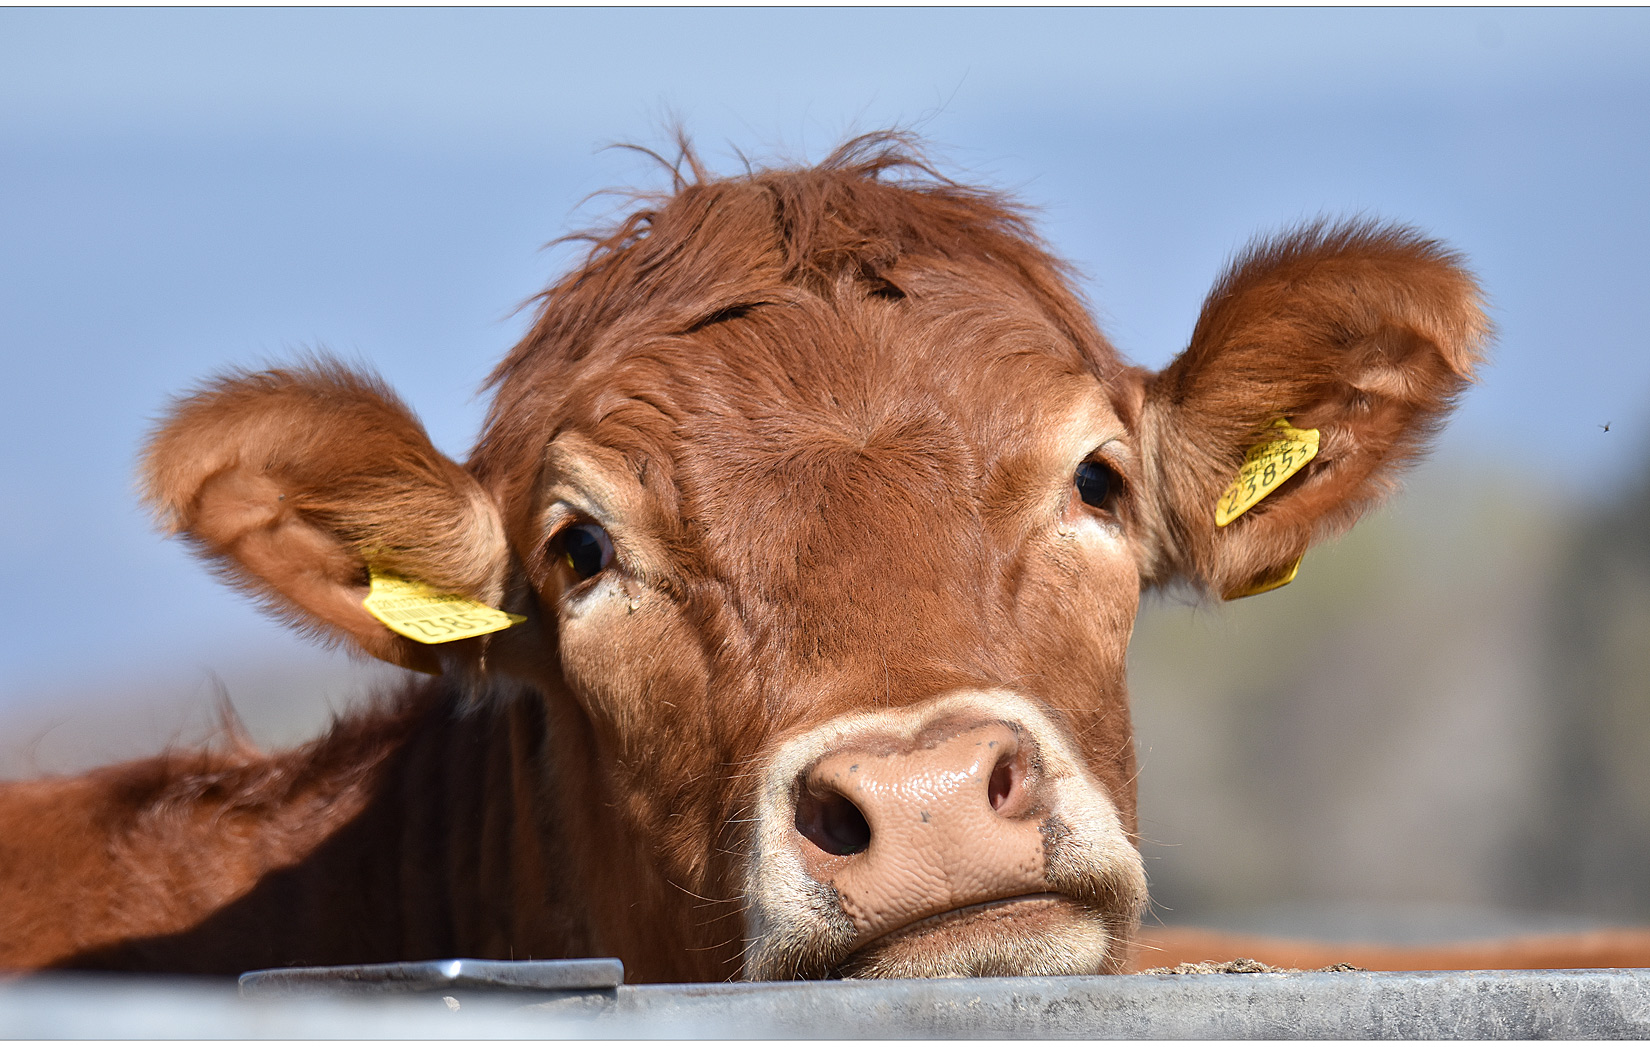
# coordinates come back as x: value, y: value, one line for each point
x: 1267, y: 465
x: 1266, y: 583
x: 421, y: 613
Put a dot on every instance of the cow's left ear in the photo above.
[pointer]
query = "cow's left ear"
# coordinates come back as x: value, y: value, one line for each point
x: 1366, y: 333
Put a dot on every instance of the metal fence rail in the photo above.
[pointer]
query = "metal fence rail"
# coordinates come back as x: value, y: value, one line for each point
x: 1477, y: 1005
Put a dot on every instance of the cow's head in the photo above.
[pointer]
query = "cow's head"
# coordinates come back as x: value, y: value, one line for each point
x: 829, y: 510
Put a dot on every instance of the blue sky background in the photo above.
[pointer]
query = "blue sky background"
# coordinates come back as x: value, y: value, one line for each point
x: 184, y: 190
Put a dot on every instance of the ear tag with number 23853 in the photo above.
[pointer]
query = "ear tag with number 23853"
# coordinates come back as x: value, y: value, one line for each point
x: 423, y: 613
x: 1267, y: 465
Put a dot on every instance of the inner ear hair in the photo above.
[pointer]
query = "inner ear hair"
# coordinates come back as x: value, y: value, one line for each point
x: 291, y: 482
x: 1365, y: 331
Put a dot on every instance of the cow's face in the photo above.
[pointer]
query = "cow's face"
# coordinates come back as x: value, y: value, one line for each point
x: 830, y: 512
x: 845, y: 587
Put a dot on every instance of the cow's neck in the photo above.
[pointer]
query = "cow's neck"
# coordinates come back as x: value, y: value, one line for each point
x: 430, y: 830
x: 413, y: 834
x: 630, y: 905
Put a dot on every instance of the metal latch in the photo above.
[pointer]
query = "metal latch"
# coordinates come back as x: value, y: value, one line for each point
x: 437, y: 976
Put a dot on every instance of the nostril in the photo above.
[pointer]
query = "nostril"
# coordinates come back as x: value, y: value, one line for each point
x: 1001, y: 786
x: 832, y: 823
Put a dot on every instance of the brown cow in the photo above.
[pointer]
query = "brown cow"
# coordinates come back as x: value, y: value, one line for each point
x: 827, y: 510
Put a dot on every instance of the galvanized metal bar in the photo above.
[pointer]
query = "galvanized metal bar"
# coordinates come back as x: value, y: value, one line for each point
x: 1601, y: 1004
x: 1450, y: 1005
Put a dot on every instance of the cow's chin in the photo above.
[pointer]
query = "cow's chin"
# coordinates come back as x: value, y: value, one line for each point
x: 1040, y: 934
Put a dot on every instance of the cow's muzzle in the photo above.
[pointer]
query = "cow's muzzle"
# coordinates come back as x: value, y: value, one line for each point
x: 960, y: 837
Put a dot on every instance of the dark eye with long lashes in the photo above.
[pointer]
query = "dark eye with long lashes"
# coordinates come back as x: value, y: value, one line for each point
x: 1097, y: 484
x: 587, y: 549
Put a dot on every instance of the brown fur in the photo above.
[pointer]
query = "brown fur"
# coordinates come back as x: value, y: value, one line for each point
x: 1364, y: 331
x: 288, y: 483
x: 830, y: 418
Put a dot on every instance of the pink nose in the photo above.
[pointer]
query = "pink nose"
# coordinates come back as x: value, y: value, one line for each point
x: 908, y: 830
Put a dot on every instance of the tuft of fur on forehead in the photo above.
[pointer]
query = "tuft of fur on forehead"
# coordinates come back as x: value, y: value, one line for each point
x: 860, y: 224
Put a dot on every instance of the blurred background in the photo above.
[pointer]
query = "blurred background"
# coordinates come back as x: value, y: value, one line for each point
x: 1440, y: 729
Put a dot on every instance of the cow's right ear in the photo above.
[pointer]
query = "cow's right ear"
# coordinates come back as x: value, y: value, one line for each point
x: 293, y: 482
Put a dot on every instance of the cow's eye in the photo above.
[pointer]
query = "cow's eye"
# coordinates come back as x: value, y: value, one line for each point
x: 587, y: 548
x: 1097, y: 484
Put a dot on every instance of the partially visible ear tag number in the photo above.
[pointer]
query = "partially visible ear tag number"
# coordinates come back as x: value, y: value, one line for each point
x: 420, y: 612
x: 1266, y: 583
x: 1267, y: 465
